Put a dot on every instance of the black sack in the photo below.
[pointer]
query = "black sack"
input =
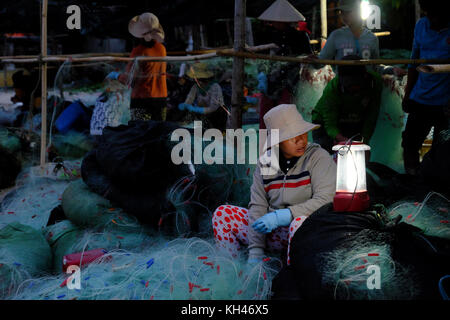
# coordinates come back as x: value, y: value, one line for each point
x: 138, y: 155
x: 135, y: 176
x: 10, y: 168
x: 323, y: 232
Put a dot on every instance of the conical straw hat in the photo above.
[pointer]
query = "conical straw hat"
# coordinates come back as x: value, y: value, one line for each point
x: 146, y: 26
x: 282, y: 11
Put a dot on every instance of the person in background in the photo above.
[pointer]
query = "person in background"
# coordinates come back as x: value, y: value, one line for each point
x: 149, y: 95
x: 283, y: 20
x: 205, y: 98
x: 354, y: 39
x: 349, y: 105
x: 288, y: 188
x: 27, y: 91
x: 426, y: 95
x: 281, y: 17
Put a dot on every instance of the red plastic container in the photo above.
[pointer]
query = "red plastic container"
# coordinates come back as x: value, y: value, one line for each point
x: 82, y: 258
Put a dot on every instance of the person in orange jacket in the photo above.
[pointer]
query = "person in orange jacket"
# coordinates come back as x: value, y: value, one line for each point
x: 149, y: 95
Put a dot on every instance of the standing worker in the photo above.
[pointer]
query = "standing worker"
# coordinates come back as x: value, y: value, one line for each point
x: 282, y: 17
x: 349, y: 105
x: 149, y: 95
x: 281, y: 82
x: 354, y: 39
x: 426, y: 95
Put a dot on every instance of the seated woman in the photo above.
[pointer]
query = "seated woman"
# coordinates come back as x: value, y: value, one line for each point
x: 297, y: 182
x: 205, y: 98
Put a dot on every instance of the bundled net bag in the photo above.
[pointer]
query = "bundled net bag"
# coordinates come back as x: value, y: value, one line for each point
x: 9, y: 140
x: 332, y: 252
x: 24, y: 253
x: 84, y: 207
x: 37, y: 192
x: 71, y: 145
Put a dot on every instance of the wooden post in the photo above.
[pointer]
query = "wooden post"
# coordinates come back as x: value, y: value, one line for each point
x: 44, y: 83
x: 237, y: 85
x: 323, y: 18
x: 314, y: 22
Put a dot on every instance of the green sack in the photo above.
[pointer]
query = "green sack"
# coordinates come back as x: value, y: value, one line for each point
x: 84, y: 207
x: 62, y: 237
x: 24, y: 253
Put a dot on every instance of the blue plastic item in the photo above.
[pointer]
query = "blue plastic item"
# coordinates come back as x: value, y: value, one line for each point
x: 68, y: 117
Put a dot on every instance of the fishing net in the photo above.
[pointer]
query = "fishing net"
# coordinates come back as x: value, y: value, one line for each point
x: 36, y: 193
x: 66, y: 238
x: 387, y: 137
x: 9, y: 140
x: 84, y: 207
x: 431, y: 216
x: 145, y: 262
x: 69, y: 146
x: 24, y: 252
x: 180, y: 269
x: 347, y: 270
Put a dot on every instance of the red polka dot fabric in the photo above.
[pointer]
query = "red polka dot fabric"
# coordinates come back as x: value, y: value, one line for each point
x: 230, y: 225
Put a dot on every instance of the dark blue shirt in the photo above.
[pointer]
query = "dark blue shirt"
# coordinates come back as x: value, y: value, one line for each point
x: 431, y: 89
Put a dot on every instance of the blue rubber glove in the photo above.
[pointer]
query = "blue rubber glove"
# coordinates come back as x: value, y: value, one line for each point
x: 183, y: 106
x: 273, y: 220
x: 113, y: 75
x: 262, y: 82
x: 195, y: 109
x: 252, y: 100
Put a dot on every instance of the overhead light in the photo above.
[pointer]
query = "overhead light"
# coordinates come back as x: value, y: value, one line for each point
x: 365, y: 9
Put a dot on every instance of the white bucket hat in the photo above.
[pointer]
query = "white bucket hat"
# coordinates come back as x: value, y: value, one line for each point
x: 282, y: 11
x: 288, y: 121
x: 146, y: 26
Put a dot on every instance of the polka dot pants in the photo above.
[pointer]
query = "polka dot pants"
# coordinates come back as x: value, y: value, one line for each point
x: 230, y: 225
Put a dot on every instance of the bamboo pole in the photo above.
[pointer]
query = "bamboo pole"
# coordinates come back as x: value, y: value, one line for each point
x: 250, y: 55
x: 377, y: 34
x: 89, y: 58
x: 324, y: 22
x: 230, y: 53
x: 44, y: 84
x: 237, y: 84
x: 437, y: 68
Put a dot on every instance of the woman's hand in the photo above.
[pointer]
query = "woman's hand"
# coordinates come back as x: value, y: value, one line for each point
x: 273, y: 220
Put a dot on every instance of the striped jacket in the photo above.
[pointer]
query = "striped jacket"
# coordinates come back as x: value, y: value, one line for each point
x: 307, y: 186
